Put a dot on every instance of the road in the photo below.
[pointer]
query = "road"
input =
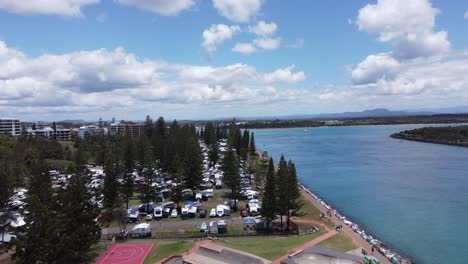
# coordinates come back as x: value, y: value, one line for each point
x: 171, y: 225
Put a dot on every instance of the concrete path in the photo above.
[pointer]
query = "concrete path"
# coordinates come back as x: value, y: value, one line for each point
x: 313, y: 242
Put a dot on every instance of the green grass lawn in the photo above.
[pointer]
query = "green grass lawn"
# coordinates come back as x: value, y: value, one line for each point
x: 309, y: 212
x: 163, y: 249
x: 269, y: 248
x: 338, y: 242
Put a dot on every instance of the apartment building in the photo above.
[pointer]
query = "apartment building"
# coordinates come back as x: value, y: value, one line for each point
x: 10, y: 126
x: 135, y: 129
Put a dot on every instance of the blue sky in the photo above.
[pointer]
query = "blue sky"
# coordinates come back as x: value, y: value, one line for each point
x: 128, y: 58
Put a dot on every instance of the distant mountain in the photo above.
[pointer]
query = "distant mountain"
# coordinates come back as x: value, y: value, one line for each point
x: 73, y: 121
x: 378, y: 112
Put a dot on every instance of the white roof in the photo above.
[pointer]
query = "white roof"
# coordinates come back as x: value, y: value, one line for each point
x: 141, y: 226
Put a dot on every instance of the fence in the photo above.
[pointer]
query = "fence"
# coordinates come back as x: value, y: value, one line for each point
x: 159, y: 234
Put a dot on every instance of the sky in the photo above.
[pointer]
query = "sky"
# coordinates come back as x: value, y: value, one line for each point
x: 203, y: 59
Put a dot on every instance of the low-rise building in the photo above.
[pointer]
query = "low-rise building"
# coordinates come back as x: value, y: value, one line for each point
x: 135, y: 129
x: 10, y: 126
x: 61, y: 134
x: 87, y: 131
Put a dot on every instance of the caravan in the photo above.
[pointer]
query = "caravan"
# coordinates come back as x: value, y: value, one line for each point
x: 141, y: 230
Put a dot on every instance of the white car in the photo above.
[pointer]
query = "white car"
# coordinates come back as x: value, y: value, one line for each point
x: 213, y: 212
x: 203, y: 227
x: 158, y: 212
x: 149, y: 217
x: 174, y: 213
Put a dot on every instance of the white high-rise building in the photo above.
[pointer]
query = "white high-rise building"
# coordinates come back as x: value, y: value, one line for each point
x: 10, y: 126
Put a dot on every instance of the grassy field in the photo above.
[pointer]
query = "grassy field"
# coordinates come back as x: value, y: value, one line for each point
x: 338, y: 242
x: 163, y: 249
x: 309, y: 212
x: 269, y: 248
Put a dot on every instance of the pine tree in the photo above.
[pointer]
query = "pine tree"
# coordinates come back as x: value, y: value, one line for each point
x: 232, y: 178
x: 294, y: 192
x: 193, y: 167
x: 111, y: 185
x: 40, y: 243
x: 245, y: 145
x: 148, y: 127
x: 281, y: 188
x: 147, y: 194
x: 178, y: 188
x: 6, y: 179
x: 213, y: 154
x: 129, y: 165
x: 269, y: 208
x: 77, y: 218
x: 252, y: 147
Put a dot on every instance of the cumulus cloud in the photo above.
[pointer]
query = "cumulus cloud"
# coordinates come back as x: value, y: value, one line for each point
x: 238, y: 10
x: 267, y: 43
x: 244, y: 48
x: 406, y: 25
x: 216, y: 35
x: 162, y: 7
x: 46, y: 7
x: 103, y: 80
x: 264, y: 29
x: 285, y: 75
x: 375, y: 68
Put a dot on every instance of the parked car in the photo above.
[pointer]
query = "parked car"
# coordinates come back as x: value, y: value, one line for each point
x: 185, y: 212
x: 149, y: 217
x: 220, y: 210
x: 202, y: 213
x: 166, y: 212
x: 141, y: 230
x: 203, y: 227
x: 158, y: 213
x: 133, y: 215
x: 222, y: 226
x: 213, y: 212
x: 174, y: 213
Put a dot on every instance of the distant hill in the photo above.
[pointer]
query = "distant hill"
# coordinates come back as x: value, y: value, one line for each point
x: 378, y: 112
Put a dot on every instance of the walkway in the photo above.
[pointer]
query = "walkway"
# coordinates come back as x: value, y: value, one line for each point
x: 306, y: 245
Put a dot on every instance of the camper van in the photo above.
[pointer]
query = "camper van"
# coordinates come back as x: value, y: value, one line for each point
x: 158, y: 213
x: 141, y: 230
x: 220, y: 210
x: 213, y: 227
x: 222, y: 226
x: 133, y: 215
x: 185, y: 212
x: 192, y: 212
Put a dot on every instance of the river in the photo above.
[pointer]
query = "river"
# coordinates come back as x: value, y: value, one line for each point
x: 411, y: 195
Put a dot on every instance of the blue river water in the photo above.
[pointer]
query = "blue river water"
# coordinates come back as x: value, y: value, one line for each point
x: 411, y: 195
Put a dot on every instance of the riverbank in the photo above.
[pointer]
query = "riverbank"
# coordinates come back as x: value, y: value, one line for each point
x: 383, y: 253
x: 454, y: 136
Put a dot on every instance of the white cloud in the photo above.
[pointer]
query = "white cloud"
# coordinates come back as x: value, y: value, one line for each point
x: 46, y: 7
x: 103, y: 81
x: 285, y: 75
x: 216, y: 35
x: 432, y: 78
x: 162, y: 7
x: 466, y: 14
x: 244, y: 48
x: 267, y: 43
x: 374, y: 68
x: 238, y: 10
x: 406, y: 25
x: 264, y: 29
